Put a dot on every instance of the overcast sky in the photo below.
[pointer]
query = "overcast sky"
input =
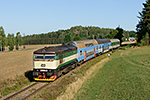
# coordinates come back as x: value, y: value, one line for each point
x: 42, y: 16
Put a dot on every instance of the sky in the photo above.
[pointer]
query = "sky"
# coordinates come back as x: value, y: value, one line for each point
x: 42, y: 16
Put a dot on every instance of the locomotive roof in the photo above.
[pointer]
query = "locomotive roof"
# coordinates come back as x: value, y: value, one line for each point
x: 101, y: 41
x: 56, y: 49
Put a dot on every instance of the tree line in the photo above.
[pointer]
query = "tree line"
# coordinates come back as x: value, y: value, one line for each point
x: 10, y: 40
x: 78, y: 33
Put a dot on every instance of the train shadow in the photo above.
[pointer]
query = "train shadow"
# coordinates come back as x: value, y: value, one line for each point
x: 29, y: 75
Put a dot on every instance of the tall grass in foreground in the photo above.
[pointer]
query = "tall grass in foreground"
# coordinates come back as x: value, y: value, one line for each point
x: 12, y: 85
x: 125, y: 76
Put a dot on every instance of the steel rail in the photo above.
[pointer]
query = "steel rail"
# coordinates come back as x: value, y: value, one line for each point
x: 34, y: 92
x: 20, y: 91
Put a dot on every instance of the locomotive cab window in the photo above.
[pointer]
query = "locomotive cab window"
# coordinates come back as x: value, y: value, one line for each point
x: 49, y: 56
x: 43, y: 56
x: 38, y: 56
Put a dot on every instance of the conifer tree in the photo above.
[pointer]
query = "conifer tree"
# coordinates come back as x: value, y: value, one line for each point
x: 2, y: 38
x: 18, y: 41
x: 11, y: 41
x: 144, y: 23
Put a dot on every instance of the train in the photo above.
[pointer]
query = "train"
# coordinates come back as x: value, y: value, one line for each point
x: 49, y: 63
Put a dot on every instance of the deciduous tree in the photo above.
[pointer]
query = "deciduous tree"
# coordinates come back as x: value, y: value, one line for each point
x: 119, y: 35
x: 67, y: 38
x: 76, y: 38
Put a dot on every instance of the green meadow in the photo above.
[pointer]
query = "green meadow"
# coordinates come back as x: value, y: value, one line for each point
x: 125, y: 76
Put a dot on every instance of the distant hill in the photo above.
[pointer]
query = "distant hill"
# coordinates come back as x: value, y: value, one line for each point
x: 90, y: 32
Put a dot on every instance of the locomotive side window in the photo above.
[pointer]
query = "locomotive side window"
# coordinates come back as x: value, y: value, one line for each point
x: 74, y: 51
x: 71, y: 53
x: 61, y: 56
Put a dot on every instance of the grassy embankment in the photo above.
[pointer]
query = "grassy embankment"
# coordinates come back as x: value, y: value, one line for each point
x: 125, y: 76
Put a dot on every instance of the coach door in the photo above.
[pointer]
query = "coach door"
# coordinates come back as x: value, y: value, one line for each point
x: 94, y: 52
x: 85, y: 55
x: 103, y: 49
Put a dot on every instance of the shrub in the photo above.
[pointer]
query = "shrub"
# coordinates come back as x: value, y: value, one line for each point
x: 129, y: 45
x: 122, y: 48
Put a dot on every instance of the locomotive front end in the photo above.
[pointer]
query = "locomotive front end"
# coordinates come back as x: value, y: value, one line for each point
x: 50, y: 62
x: 44, y: 66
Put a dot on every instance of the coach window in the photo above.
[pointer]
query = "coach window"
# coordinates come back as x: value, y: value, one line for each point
x: 97, y: 48
x: 100, y: 47
x: 81, y: 52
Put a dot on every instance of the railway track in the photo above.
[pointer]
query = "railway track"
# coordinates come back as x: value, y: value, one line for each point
x: 28, y: 91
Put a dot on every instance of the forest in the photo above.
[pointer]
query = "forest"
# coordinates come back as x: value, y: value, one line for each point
x: 75, y: 33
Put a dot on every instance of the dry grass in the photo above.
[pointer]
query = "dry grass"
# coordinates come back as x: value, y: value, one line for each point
x: 16, y: 63
x: 75, y: 86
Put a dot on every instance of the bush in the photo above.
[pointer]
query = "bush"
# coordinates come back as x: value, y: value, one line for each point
x: 122, y: 48
x: 139, y: 45
x: 129, y: 45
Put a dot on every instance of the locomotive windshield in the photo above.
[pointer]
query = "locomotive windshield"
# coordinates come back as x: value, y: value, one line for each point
x: 44, y: 56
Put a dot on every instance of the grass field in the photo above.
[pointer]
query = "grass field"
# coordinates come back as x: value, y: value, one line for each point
x: 125, y: 76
